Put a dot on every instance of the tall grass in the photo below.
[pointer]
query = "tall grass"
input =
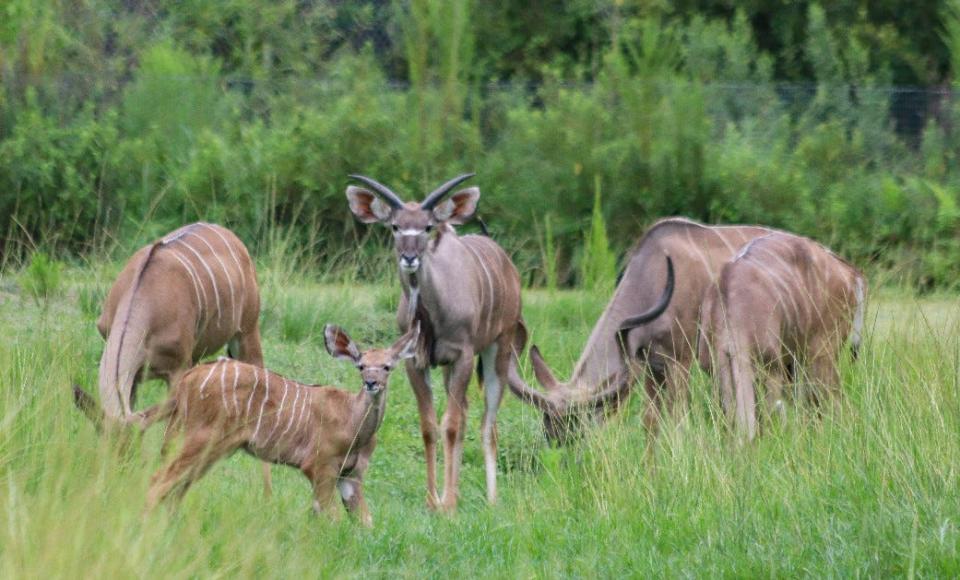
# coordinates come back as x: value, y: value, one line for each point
x: 870, y: 491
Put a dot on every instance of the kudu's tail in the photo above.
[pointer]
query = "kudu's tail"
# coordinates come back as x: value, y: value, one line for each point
x: 123, y: 356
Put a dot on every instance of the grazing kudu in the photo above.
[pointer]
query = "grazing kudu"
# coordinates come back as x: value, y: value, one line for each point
x: 465, y: 293
x: 326, y: 432
x: 647, y: 321
x: 176, y: 301
x: 784, y: 305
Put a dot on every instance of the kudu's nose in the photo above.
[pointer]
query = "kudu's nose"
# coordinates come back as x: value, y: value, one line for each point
x: 408, y: 259
x: 371, y: 385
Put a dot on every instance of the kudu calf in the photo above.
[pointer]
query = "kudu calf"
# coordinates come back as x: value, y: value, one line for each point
x: 176, y: 301
x: 465, y: 293
x: 328, y: 433
x: 784, y: 306
x: 647, y: 321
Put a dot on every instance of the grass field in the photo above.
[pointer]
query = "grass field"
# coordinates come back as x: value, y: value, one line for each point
x: 871, y: 491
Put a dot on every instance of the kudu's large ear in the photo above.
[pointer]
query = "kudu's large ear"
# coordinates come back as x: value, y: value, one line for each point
x: 367, y: 206
x: 541, y: 370
x: 459, y: 207
x: 406, y: 346
x: 339, y: 344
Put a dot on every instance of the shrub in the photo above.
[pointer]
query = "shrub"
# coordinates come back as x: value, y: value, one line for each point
x: 41, y: 278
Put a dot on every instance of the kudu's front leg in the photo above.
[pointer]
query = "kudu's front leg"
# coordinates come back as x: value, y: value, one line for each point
x: 454, y: 420
x: 351, y: 492
x: 420, y: 382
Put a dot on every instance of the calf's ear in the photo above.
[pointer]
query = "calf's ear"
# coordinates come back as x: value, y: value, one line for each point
x: 339, y: 344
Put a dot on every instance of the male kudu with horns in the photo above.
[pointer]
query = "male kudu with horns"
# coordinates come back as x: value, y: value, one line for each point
x: 783, y: 309
x: 465, y: 293
x: 176, y: 301
x: 648, y: 325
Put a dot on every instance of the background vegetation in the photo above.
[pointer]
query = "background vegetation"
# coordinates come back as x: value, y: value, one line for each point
x: 121, y: 120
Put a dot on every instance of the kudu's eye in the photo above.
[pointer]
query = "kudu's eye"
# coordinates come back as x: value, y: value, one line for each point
x: 429, y: 228
x: 396, y: 228
x: 359, y: 366
x: 387, y: 368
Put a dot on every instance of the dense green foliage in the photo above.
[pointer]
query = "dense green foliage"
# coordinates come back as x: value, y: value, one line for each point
x: 120, y: 120
x: 868, y: 492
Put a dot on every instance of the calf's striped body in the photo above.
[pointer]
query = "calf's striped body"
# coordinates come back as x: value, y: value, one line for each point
x: 328, y: 433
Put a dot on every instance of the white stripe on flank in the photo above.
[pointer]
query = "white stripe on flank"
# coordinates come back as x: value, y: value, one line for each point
x: 233, y: 299
x: 266, y: 397
x: 278, y: 415
x: 236, y: 260
x: 223, y: 388
x: 203, y: 385
x: 216, y: 291
x: 486, y: 275
x: 293, y: 413
x: 703, y: 259
x: 236, y: 378
x: 256, y: 381
x: 303, y: 409
x: 197, y: 286
x: 783, y: 288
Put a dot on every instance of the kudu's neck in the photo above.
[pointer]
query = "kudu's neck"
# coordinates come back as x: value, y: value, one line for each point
x: 601, y: 357
x: 368, y: 411
x: 422, y: 279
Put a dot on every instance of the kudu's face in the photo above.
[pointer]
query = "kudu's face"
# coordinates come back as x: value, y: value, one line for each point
x: 412, y: 229
x: 374, y: 364
x: 413, y: 224
x: 562, y: 428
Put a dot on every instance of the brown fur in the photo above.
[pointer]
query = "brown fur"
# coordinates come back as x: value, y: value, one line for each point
x: 327, y: 433
x: 783, y: 308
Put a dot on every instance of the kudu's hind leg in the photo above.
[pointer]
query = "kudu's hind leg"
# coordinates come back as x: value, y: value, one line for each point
x: 743, y: 377
x: 454, y: 419
x: 777, y: 379
x: 653, y: 412
x: 494, y: 368
x: 199, y: 453
x: 825, y: 376
x: 420, y: 383
x: 245, y: 347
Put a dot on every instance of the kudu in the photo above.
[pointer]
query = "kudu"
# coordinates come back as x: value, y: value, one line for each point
x: 465, y: 293
x: 326, y: 432
x: 176, y: 301
x: 648, y: 325
x: 785, y: 305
